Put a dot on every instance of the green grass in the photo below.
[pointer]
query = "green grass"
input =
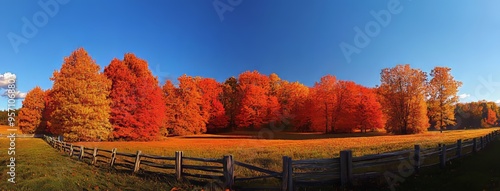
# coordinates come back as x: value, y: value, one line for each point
x: 479, y: 171
x: 40, y: 167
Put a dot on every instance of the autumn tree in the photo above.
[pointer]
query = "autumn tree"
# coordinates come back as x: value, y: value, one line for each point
x: 403, y: 90
x: 442, y: 98
x: 292, y: 98
x: 30, y: 115
x: 253, y: 111
x: 274, y: 117
x: 173, y: 104
x: 491, y: 118
x: 80, y: 92
x: 231, y: 100
x: 189, y: 117
x: 476, y: 114
x: 345, y: 107
x: 138, y: 108
x: 369, y: 113
x: 324, y: 99
x: 122, y: 100
x: 47, y: 113
x: 212, y: 107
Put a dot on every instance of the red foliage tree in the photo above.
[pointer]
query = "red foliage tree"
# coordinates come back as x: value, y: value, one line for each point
x: 491, y: 118
x: 212, y: 108
x: 253, y: 110
x: 323, y: 98
x: 138, y: 107
x: 370, y: 115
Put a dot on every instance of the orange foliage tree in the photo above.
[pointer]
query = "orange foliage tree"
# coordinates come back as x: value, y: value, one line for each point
x: 292, y: 99
x: 403, y: 91
x: 323, y: 99
x: 47, y: 113
x: 442, y: 98
x: 188, y: 117
x: 490, y: 119
x: 79, y: 95
x: 257, y: 106
x: 231, y: 100
x: 212, y: 108
x: 30, y: 115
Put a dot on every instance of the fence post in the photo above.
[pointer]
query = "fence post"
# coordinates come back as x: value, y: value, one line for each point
x: 290, y: 174
x: 94, y: 156
x: 287, y: 181
x: 474, y: 145
x: 137, y: 161
x: 113, y: 157
x: 178, y: 165
x: 459, y: 148
x: 482, y: 142
x: 228, y: 165
x: 284, y: 181
x: 442, y: 156
x: 345, y: 167
x: 416, y: 158
x: 82, y: 152
x: 70, y: 150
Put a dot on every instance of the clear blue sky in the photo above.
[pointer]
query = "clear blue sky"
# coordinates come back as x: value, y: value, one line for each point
x: 298, y: 40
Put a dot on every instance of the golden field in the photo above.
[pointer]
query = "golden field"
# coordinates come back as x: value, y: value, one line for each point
x: 268, y: 153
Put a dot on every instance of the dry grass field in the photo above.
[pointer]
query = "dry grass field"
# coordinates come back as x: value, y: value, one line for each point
x: 268, y: 153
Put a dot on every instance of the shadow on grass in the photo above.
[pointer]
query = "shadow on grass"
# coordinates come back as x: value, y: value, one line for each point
x: 480, y: 171
x: 282, y: 135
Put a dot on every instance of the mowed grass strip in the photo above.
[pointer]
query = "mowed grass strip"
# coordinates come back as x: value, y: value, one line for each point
x: 41, y: 167
x: 480, y: 171
x: 268, y: 153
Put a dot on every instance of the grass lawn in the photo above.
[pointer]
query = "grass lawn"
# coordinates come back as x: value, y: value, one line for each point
x: 476, y: 172
x: 41, y: 167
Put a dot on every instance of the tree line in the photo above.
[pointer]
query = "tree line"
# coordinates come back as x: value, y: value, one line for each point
x: 127, y: 102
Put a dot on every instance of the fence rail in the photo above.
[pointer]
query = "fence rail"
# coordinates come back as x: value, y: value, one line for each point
x: 340, y: 170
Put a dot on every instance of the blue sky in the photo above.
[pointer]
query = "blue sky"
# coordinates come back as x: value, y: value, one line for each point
x: 298, y: 40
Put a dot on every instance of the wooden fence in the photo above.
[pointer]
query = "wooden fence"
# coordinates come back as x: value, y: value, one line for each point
x: 342, y: 170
